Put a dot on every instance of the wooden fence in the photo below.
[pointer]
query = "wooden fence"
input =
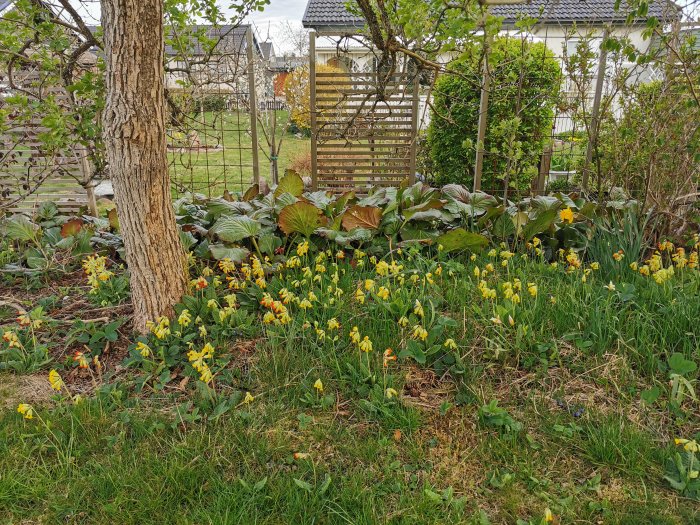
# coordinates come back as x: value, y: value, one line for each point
x: 360, y: 137
x: 30, y: 174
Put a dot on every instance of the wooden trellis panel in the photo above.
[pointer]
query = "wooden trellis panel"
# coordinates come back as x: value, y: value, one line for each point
x: 30, y: 175
x: 357, y: 138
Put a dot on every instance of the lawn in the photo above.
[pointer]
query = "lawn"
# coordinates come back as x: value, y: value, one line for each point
x: 228, y: 165
x: 369, y: 382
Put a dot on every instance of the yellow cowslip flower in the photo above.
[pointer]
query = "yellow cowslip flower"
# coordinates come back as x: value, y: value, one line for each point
x: 438, y: 271
x: 200, y: 283
x: 333, y: 324
x: 492, y: 252
x: 689, y: 445
x: 403, y: 321
x: 355, y: 335
x: 321, y: 334
x: 450, y: 343
x: 472, y: 257
x: 305, y: 304
x: 207, y: 272
x: 610, y: 286
x: 429, y: 278
x: 303, y: 248
x: 143, y: 349
x: 186, y: 318
x: 644, y: 270
x: 382, y: 268
x: 360, y: 296
x: 489, y: 268
x: 26, y: 410
x: 312, y: 296
x: 388, y: 356
x: 202, y: 331
x: 515, y: 299
x: 566, y: 215
x: 366, y: 345
x: 548, y: 517
x: 11, y: 339
x: 318, y: 385
x: 532, y: 289
x: 552, y: 299
x: 390, y: 392
x: 383, y: 293
x: 55, y: 381
x: 320, y: 268
x: 369, y: 284
x: 269, y: 318
x: 619, y: 255
x: 227, y: 266
x: 420, y: 333
x: 418, y: 309
x: 249, y: 398
x: 205, y: 374
x: 496, y: 320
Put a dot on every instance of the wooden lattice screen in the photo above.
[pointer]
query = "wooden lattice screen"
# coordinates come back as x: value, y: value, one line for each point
x: 359, y: 138
x: 30, y: 175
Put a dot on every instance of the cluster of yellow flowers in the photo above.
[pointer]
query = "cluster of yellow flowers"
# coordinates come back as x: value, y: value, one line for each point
x: 197, y: 360
x: 160, y: 329
x: 278, y: 313
x: 12, y: 339
x: 677, y: 258
x: 95, y: 267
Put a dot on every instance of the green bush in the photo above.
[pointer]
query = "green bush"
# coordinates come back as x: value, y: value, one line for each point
x: 525, y: 85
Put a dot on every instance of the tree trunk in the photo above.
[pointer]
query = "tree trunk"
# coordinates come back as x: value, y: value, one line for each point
x: 135, y: 140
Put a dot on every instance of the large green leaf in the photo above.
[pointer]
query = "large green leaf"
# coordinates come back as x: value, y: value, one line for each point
x: 460, y: 239
x: 237, y: 255
x: 343, y: 238
x: 19, y: 228
x: 542, y: 222
x: 301, y: 217
x: 291, y: 183
x: 236, y: 228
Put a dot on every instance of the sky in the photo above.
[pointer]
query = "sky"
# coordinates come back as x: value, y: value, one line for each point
x: 268, y: 23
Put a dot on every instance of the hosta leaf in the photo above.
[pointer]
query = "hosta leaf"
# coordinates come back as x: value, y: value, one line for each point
x: 368, y: 217
x: 236, y: 228
x: 301, y: 217
x: 291, y: 183
x: 460, y: 239
x: 237, y: 255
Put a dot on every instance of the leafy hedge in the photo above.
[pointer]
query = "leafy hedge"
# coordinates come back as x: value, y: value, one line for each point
x: 521, y: 109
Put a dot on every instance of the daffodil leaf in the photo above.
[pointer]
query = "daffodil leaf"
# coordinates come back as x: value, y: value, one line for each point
x: 460, y: 239
x: 542, y: 222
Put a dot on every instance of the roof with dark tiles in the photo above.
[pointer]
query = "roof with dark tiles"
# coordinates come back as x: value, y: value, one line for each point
x: 334, y: 13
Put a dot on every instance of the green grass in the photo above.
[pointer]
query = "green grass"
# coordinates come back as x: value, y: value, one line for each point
x: 570, y: 372
x: 231, y: 167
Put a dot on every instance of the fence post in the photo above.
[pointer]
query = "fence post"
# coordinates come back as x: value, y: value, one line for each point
x: 545, y: 164
x: 414, y: 129
x: 595, y: 111
x: 312, y: 108
x: 252, y: 102
x: 483, y: 110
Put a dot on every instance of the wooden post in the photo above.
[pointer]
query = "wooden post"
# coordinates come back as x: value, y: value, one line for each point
x: 595, y: 112
x: 252, y: 101
x: 483, y: 117
x: 312, y: 108
x: 89, y: 183
x: 415, y: 108
x: 545, y: 164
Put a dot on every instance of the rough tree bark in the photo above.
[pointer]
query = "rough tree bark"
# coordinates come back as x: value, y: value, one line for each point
x: 135, y: 140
